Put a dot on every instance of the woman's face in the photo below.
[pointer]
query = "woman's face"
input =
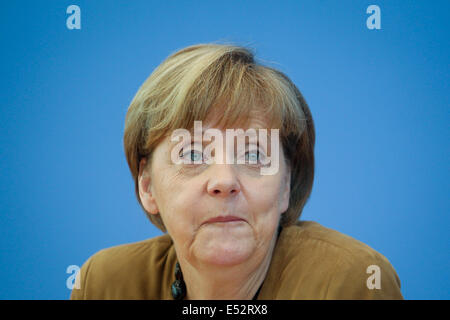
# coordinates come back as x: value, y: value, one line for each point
x: 222, y: 214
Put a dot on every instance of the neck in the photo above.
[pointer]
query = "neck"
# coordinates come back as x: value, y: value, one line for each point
x: 239, y: 282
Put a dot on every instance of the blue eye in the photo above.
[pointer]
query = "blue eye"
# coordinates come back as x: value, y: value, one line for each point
x: 193, y: 155
x: 252, y: 156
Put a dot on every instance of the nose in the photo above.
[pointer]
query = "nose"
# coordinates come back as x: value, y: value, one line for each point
x: 223, y: 181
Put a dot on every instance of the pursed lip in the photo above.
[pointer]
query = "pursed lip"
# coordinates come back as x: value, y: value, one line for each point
x: 223, y: 219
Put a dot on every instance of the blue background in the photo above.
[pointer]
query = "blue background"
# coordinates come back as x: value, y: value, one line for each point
x: 379, y: 99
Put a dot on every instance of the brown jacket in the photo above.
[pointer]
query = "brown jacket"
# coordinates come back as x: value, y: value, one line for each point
x: 309, y: 262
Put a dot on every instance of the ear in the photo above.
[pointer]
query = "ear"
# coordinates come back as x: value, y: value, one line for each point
x: 145, y: 188
x: 286, y: 192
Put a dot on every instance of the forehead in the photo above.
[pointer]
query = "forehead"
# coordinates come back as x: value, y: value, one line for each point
x: 238, y: 130
x: 253, y: 117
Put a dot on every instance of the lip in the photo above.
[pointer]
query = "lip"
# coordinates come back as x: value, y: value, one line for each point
x: 223, y: 219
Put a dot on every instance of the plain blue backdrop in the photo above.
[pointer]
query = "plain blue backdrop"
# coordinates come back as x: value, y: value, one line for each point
x: 379, y: 99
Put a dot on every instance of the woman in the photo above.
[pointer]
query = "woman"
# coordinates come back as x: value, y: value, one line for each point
x: 232, y: 228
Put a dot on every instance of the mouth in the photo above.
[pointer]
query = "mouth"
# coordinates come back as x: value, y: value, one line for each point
x: 223, y: 219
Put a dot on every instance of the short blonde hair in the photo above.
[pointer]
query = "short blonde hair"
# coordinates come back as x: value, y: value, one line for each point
x: 191, y: 82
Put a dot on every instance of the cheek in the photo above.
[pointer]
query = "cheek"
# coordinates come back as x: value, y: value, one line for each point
x: 264, y: 197
x: 179, y: 208
x: 266, y: 188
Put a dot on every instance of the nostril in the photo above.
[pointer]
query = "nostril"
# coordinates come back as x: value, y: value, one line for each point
x: 224, y: 191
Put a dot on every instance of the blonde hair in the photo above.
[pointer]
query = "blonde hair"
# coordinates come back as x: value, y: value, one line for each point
x: 190, y: 83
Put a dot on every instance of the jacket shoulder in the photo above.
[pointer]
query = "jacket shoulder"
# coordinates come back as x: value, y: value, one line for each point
x: 311, y: 233
x: 127, y: 271
x: 322, y: 263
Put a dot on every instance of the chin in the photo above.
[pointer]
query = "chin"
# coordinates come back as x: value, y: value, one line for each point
x: 223, y: 256
x: 225, y: 246
x: 222, y: 251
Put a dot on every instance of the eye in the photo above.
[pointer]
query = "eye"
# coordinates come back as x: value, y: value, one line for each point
x: 192, y: 155
x: 252, y: 156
